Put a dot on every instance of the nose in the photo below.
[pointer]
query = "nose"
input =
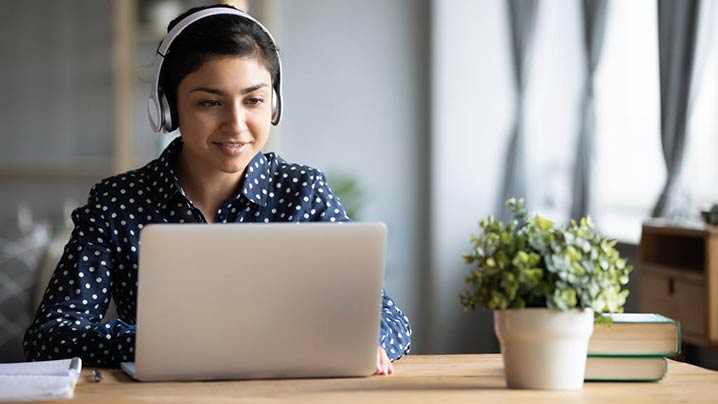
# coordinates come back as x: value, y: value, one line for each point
x: 235, y: 118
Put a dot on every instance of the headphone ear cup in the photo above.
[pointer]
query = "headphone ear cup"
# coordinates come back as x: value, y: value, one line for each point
x: 169, y: 120
x: 275, y: 103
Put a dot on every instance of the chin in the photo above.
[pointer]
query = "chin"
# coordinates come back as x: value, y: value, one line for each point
x: 233, y: 168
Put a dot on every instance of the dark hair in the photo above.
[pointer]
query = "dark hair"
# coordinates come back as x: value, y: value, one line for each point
x: 217, y: 35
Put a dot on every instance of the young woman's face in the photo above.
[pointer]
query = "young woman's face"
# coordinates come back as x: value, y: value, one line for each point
x: 225, y: 113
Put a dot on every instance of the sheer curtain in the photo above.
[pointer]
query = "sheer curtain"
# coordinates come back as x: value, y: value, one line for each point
x: 594, y: 26
x: 522, y: 17
x: 677, y: 27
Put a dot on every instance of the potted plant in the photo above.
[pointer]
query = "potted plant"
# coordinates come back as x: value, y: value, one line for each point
x: 547, y: 285
x: 711, y: 215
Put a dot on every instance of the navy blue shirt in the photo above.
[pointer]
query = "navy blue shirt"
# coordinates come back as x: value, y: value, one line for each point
x: 100, y: 260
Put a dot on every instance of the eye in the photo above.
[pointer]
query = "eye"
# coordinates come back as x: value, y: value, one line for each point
x: 209, y: 103
x: 254, y: 101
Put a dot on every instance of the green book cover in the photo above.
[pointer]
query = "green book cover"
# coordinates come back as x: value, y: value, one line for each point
x: 636, y: 335
x: 625, y: 369
x: 638, y: 318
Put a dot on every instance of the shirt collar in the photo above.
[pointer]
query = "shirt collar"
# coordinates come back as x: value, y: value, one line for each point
x: 256, y: 181
x: 255, y: 185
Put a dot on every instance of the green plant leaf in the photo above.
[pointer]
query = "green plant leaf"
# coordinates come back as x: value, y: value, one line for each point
x: 543, y: 223
x: 532, y: 262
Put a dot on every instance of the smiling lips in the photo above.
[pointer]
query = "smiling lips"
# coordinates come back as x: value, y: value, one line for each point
x: 231, y: 149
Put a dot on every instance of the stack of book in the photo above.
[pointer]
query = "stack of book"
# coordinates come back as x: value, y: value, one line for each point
x: 633, y: 348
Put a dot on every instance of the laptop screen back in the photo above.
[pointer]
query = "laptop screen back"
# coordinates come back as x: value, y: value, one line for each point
x: 236, y: 301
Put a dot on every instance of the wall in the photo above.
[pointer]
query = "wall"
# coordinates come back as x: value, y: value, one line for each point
x: 356, y: 91
x: 471, y: 105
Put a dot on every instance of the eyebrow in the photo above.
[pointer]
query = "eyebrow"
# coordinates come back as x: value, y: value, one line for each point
x: 220, y: 92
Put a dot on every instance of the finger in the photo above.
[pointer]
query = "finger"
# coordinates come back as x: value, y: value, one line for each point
x: 379, y: 367
x: 386, y: 363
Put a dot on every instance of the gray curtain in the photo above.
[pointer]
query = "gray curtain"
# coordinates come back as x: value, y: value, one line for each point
x: 677, y: 27
x: 594, y: 26
x: 522, y: 20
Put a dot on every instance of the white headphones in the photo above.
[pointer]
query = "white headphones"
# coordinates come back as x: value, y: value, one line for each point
x: 158, y: 108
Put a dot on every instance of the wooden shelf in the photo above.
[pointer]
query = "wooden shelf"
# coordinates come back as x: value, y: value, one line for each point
x: 85, y: 169
x: 686, y: 274
x: 678, y: 277
x: 663, y: 226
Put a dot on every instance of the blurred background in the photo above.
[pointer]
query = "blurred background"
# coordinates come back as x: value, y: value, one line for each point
x: 426, y: 114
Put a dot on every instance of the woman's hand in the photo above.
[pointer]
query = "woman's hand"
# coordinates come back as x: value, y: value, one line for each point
x: 383, y: 364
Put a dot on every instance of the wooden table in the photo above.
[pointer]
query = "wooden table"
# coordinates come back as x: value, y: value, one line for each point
x: 418, y: 379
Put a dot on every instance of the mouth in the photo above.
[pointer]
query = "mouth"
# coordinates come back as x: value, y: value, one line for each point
x: 231, y: 149
x: 232, y: 144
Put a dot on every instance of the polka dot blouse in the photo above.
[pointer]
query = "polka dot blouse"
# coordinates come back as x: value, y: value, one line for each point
x: 100, y: 260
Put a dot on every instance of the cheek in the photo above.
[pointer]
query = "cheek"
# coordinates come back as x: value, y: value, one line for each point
x: 261, y: 124
x: 193, y: 122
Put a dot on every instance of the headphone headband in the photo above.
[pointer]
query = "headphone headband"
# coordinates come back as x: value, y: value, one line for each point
x: 158, y: 109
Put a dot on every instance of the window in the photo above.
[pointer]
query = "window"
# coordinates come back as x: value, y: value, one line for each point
x: 629, y: 171
x: 700, y: 164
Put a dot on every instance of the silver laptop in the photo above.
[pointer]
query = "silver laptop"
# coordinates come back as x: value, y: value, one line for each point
x: 249, y: 301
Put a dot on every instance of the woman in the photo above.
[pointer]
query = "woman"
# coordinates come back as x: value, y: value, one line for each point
x: 218, y: 80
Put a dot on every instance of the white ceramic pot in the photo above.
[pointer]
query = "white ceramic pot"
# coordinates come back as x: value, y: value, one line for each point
x: 542, y: 348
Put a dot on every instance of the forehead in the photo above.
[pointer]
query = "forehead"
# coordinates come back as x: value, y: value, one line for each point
x: 228, y: 72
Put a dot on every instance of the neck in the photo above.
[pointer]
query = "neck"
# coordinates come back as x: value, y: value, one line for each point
x: 207, y: 188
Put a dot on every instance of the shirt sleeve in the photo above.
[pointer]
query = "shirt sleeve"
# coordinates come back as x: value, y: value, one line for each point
x: 395, y: 330
x: 68, y: 321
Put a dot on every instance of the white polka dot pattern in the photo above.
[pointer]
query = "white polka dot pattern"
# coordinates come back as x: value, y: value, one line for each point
x: 100, y: 260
